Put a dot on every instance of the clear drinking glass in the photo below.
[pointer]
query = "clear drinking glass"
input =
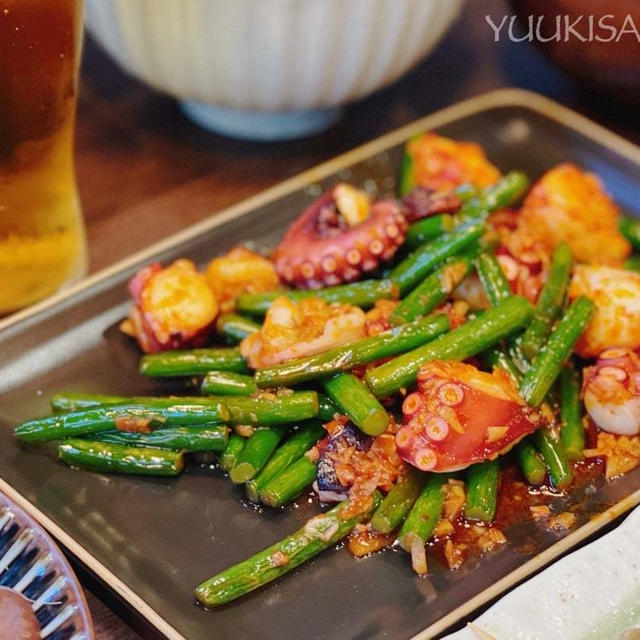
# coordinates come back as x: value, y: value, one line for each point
x: 42, y: 241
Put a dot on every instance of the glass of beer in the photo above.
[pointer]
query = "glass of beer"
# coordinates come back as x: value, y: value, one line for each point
x: 42, y: 241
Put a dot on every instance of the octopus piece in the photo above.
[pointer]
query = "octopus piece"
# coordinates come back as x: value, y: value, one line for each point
x: 377, y: 318
x: 570, y: 205
x: 355, y: 465
x: 525, y: 273
x: 611, y: 390
x: 471, y: 292
x: 523, y: 258
x: 292, y: 330
x: 421, y: 202
x: 459, y: 416
x: 616, y: 294
x: 339, y: 237
x: 440, y: 164
x: 240, y: 271
x: 333, y: 449
x: 173, y: 307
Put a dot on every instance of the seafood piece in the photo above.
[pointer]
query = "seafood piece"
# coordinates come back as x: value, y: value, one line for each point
x: 611, y: 390
x: 525, y: 273
x: 456, y: 311
x: 329, y: 471
x: 173, y: 307
x: 421, y: 202
x: 616, y: 294
x: 441, y: 164
x: 377, y: 318
x: 339, y: 237
x: 523, y: 258
x: 471, y: 292
x: 240, y: 271
x: 460, y: 415
x: 353, y: 464
x: 570, y: 205
x: 295, y: 329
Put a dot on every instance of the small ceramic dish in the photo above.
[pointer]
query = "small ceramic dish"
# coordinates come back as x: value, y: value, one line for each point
x: 32, y: 565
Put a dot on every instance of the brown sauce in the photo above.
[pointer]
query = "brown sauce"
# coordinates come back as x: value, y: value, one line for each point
x: 515, y: 500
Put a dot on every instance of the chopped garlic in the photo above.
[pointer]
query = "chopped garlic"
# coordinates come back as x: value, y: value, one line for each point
x: 454, y: 554
x: 418, y: 556
x: 490, y: 539
x: 244, y: 430
x: 454, y: 499
x: 495, y: 433
x: 443, y: 528
x: 353, y: 204
x: 322, y: 527
x: 564, y: 520
x: 278, y: 559
x: 540, y: 511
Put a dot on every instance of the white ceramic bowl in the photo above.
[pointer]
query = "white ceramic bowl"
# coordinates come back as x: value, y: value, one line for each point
x: 268, y: 69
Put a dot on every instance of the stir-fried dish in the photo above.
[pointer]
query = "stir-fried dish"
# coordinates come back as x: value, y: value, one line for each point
x: 428, y: 363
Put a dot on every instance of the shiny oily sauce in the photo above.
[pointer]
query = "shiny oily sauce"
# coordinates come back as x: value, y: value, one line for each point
x: 518, y: 503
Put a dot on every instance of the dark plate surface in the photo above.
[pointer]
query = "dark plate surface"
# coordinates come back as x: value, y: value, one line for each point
x: 162, y: 537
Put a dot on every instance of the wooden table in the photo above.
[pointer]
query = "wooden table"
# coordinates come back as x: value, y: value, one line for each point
x: 146, y: 172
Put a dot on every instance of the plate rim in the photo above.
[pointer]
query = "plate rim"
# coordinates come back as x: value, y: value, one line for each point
x: 506, y: 97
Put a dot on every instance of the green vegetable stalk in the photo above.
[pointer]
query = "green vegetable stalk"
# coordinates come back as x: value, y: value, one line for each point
x: 191, y: 362
x: 356, y: 401
x: 359, y: 294
x: 471, y: 338
x: 353, y: 354
x: 482, y: 490
x: 545, y: 368
x: 315, y: 536
x: 293, y: 449
x: 117, y: 458
x: 398, y: 502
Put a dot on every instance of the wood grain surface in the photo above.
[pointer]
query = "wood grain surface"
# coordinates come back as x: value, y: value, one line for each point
x: 146, y: 172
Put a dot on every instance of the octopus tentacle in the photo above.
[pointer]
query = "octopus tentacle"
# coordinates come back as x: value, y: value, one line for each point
x: 611, y: 389
x: 459, y: 415
x: 422, y: 202
x: 321, y: 249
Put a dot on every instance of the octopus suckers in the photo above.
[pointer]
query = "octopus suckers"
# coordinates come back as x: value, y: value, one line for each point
x: 376, y: 247
x: 308, y: 270
x: 329, y: 264
x: 354, y: 257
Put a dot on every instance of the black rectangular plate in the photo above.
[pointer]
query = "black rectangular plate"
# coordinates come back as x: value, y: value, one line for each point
x: 153, y: 540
